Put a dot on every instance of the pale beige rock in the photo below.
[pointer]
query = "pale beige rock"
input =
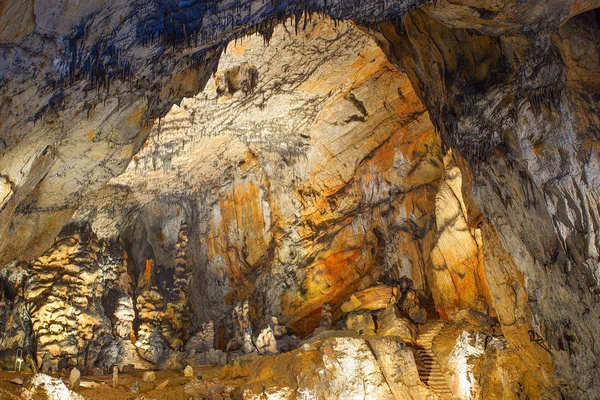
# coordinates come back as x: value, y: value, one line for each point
x: 469, y: 347
x: 74, y: 379
x: 390, y: 323
x: 149, y: 376
x: 361, y: 322
x: 265, y: 342
x: 351, y: 371
x: 373, y: 298
x: 125, y: 314
x: 279, y: 329
x: 341, y: 367
x: 457, y: 257
x: 188, y: 371
x: 397, y: 364
x: 44, y: 386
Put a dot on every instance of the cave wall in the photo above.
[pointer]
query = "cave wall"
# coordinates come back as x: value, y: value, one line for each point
x: 351, y: 203
x: 96, y: 96
x: 316, y: 184
x: 513, y: 107
x: 511, y: 88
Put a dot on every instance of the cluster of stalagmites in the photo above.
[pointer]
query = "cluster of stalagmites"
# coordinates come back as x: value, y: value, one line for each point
x: 78, y: 306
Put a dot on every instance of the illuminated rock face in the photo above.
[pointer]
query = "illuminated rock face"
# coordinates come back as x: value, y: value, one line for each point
x: 529, y: 144
x: 64, y: 293
x: 302, y: 173
x: 340, y: 367
x: 457, y: 274
x: 298, y: 188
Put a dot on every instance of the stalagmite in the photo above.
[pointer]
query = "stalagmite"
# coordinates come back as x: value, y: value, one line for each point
x: 74, y: 379
x: 242, y: 331
x: 326, y: 316
x: 248, y: 345
x: 265, y: 342
x: 203, y: 340
x: 115, y: 378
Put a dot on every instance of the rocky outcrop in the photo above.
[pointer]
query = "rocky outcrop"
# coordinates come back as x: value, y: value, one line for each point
x: 64, y: 295
x: 341, y: 367
x: 512, y: 135
x: 44, y: 386
x: 457, y: 276
x: 373, y: 298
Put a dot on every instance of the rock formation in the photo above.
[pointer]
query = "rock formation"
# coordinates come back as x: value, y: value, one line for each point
x: 265, y: 342
x: 64, y: 295
x: 173, y: 174
x: 203, y: 340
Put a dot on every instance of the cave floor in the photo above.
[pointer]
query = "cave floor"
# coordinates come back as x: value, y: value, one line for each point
x: 174, y: 390
x: 251, y: 369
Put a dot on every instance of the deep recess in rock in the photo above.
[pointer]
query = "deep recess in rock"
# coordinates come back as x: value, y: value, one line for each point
x: 308, y: 199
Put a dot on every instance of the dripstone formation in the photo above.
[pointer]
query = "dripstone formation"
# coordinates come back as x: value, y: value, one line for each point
x: 309, y: 199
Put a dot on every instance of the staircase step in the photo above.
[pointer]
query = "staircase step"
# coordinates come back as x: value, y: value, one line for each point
x: 427, y: 365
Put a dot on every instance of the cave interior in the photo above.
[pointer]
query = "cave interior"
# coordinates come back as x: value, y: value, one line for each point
x: 386, y: 199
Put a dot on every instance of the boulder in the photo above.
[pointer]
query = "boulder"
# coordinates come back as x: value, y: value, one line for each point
x: 74, y: 379
x: 149, y: 376
x: 42, y: 386
x: 391, y: 323
x: 373, y: 298
x: 361, y: 322
x: 265, y: 342
x: 188, y: 371
x: 279, y: 330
